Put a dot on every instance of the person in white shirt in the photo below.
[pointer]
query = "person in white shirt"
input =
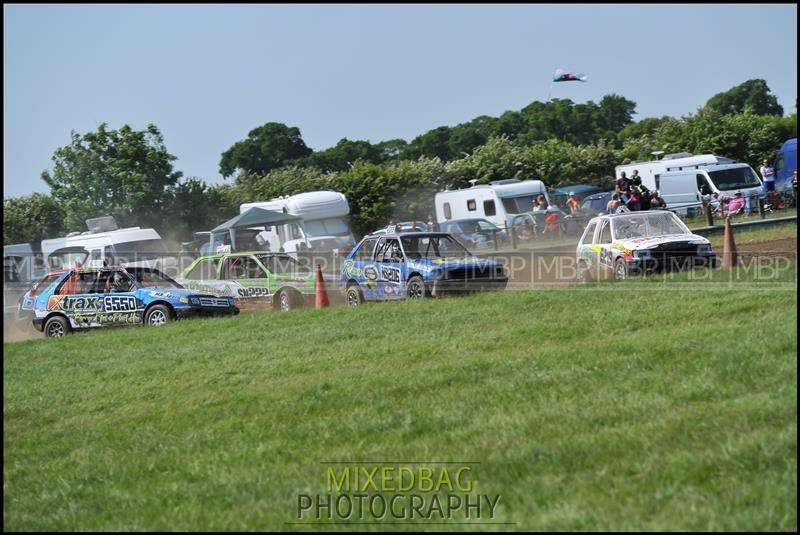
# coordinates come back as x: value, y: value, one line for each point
x: 768, y: 175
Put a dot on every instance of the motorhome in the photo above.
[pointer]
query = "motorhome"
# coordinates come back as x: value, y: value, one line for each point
x: 105, y: 244
x: 683, y: 190
x: 324, y: 227
x: 652, y: 170
x: 498, y: 201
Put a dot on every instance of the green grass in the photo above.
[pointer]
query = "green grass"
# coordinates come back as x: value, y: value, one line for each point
x: 755, y: 234
x: 587, y: 409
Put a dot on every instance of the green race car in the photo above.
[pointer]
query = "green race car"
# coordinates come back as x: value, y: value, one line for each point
x: 255, y: 279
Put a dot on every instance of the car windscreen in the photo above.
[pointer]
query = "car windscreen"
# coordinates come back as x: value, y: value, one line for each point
x: 334, y: 226
x: 736, y: 178
x: 153, y: 278
x: 647, y: 225
x: 432, y: 247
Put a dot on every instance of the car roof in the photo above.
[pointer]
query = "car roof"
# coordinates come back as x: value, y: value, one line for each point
x: 240, y: 253
x: 403, y: 234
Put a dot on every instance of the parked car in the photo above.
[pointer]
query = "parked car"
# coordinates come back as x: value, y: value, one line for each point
x: 256, y: 279
x: 475, y: 233
x: 638, y: 242
x: 560, y: 195
x: 595, y: 204
x: 85, y: 298
x: 414, y: 265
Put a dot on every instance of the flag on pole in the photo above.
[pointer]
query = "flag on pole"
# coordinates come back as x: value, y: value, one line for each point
x: 564, y: 76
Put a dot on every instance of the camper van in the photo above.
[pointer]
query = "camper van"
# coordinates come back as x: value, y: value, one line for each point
x: 498, y: 201
x: 683, y: 190
x: 651, y: 171
x: 325, y: 226
x: 785, y: 165
x: 105, y: 244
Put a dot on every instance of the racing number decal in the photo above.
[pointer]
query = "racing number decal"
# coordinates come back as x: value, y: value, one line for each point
x: 253, y: 292
x: 390, y: 274
x: 119, y: 303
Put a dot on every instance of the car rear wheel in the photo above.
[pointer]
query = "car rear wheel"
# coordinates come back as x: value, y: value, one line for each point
x: 354, y: 295
x: 620, y: 269
x: 157, y: 315
x: 56, y: 327
x: 415, y: 289
x: 288, y: 300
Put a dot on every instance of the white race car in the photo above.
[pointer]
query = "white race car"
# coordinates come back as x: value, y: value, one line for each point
x: 633, y: 243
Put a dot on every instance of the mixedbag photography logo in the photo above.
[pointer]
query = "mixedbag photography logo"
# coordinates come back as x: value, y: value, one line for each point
x: 371, y: 492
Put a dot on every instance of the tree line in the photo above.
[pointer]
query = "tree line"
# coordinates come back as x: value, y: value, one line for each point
x: 130, y: 174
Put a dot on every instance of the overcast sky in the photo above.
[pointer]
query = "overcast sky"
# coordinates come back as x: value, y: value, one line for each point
x: 207, y: 74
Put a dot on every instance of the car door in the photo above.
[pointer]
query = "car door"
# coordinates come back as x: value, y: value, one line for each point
x: 247, y: 279
x: 76, y: 299
x: 117, y: 293
x: 389, y: 260
x: 602, y: 247
x: 586, y: 253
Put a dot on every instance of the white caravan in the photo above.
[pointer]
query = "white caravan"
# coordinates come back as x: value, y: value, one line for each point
x: 324, y: 228
x: 105, y: 244
x: 498, y: 202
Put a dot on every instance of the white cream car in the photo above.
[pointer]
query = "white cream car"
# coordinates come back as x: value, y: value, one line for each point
x: 634, y: 243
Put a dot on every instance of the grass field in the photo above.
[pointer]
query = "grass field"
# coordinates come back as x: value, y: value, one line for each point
x: 588, y: 408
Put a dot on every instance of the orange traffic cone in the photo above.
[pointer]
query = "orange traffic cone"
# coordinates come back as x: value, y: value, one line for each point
x: 322, y: 295
x: 729, y: 246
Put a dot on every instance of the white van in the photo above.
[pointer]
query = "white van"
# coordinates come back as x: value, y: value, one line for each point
x: 651, y: 171
x: 325, y: 225
x: 683, y: 190
x: 105, y: 244
x: 498, y: 201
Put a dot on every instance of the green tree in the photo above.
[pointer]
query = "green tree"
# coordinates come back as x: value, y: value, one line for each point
x: 30, y: 219
x: 266, y: 148
x: 124, y: 173
x: 344, y: 155
x: 752, y: 96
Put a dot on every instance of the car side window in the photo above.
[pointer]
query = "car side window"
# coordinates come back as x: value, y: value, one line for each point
x: 389, y: 251
x: 605, y: 233
x: 588, y: 234
x: 242, y: 267
x: 78, y: 283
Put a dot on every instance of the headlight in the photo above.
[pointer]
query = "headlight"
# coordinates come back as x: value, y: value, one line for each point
x: 704, y: 249
x: 645, y: 254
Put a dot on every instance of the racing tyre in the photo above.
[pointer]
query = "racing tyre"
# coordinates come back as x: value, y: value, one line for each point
x: 288, y: 300
x: 354, y: 296
x: 415, y: 289
x: 620, y: 269
x: 157, y: 315
x: 56, y: 327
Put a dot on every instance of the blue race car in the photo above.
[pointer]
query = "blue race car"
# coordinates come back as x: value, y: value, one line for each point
x: 414, y: 265
x: 86, y: 298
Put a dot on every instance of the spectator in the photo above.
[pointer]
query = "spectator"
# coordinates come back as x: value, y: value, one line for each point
x: 433, y: 226
x: 736, y: 205
x: 572, y: 203
x: 634, y: 197
x: 643, y: 191
x: 768, y: 175
x: 525, y: 230
x: 552, y: 221
x: 623, y: 187
x: 613, y: 204
x: 542, y: 202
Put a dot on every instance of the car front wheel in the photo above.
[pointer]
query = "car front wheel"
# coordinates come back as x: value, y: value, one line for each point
x: 288, y: 300
x: 157, y: 315
x: 354, y: 296
x: 620, y: 269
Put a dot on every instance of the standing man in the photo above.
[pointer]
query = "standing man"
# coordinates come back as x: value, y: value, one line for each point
x: 768, y: 175
x: 623, y: 187
x: 572, y: 203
